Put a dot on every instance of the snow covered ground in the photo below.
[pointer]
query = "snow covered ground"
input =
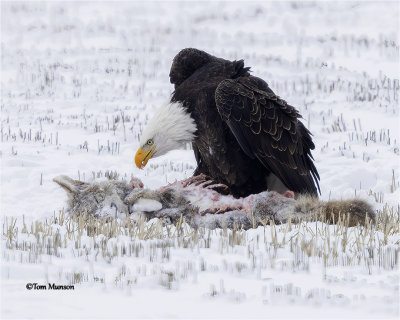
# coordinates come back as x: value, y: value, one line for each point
x: 80, y: 80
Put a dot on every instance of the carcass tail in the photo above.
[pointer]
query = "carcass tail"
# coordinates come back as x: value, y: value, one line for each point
x: 351, y: 212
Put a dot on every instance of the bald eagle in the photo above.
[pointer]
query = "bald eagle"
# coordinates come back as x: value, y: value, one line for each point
x: 243, y: 135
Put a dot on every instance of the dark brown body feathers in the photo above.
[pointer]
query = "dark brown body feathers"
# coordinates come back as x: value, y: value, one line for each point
x: 245, y: 131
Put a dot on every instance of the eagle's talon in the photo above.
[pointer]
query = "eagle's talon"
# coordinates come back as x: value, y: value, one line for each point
x: 205, y: 184
x: 217, y: 186
x: 196, y: 180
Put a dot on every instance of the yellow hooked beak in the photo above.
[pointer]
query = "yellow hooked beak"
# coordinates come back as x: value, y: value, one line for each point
x: 142, y: 157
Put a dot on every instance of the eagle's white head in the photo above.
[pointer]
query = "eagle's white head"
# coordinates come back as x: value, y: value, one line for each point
x: 170, y: 128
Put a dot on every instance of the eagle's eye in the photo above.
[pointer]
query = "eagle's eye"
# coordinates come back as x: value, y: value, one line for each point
x: 150, y: 142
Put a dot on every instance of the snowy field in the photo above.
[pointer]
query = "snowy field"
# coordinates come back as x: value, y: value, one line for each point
x: 79, y: 81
